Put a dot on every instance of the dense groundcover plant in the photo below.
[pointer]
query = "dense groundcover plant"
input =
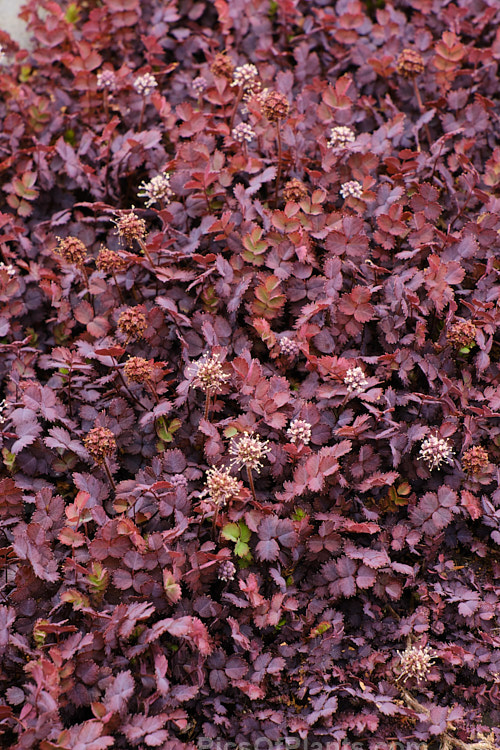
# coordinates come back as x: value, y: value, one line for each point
x: 250, y: 424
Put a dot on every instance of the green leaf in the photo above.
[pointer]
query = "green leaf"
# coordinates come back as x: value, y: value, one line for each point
x: 245, y: 532
x: 241, y: 549
x: 231, y: 531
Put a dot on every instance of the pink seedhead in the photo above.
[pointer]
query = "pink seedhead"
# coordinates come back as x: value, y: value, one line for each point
x: 132, y: 322
x: 475, y: 460
x: 295, y: 190
x: 72, y: 250
x: 100, y: 443
x: 130, y: 227
x: 110, y: 262
x: 462, y: 334
x: 275, y: 106
x: 139, y: 370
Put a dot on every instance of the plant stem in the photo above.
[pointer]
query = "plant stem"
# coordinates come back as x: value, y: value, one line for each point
x: 207, y: 406
x: 250, y: 482
x: 145, y: 251
x: 239, y: 97
x: 118, y: 287
x: 422, y: 109
x: 110, y: 478
x: 278, y: 173
x: 141, y: 118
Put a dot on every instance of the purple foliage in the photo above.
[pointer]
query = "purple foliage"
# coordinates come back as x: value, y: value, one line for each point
x: 250, y: 429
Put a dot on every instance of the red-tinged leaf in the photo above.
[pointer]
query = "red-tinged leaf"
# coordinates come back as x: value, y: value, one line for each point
x: 362, y: 527
x: 371, y: 557
x: 193, y: 630
x: 7, y: 617
x: 84, y: 312
x: 86, y: 736
x: 98, y: 327
x: 5, y: 712
x: 239, y: 638
x: 378, y: 480
x: 119, y: 691
x: 235, y: 668
x: 267, y: 549
x: 61, y: 439
x: 172, y: 589
x: 111, y: 351
x: 71, y: 538
x: 471, y: 503
x: 26, y: 428
x: 254, y: 692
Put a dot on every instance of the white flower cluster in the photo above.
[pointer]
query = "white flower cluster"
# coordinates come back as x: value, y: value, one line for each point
x: 243, y: 132
x: 199, y: 85
x: 9, y: 269
x: 299, y: 431
x: 208, y: 374
x: 435, y: 451
x: 352, y: 188
x: 221, y: 486
x: 156, y: 190
x: 248, y: 451
x: 415, y: 661
x: 245, y: 76
x: 106, y: 79
x: 340, y: 137
x: 288, y: 346
x: 145, y: 84
x: 355, y: 380
x: 227, y: 571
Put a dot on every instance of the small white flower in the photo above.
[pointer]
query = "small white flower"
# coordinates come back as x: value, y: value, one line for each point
x: 435, y: 451
x: 352, y: 188
x: 355, y: 380
x: 156, y: 190
x: 199, y: 85
x: 245, y: 76
x: 145, y: 84
x: 415, y: 661
x: 288, y: 347
x: 106, y: 79
x: 299, y: 431
x: 248, y: 451
x: 9, y: 269
x: 221, y: 486
x: 207, y: 374
x: 340, y: 137
x: 243, y: 132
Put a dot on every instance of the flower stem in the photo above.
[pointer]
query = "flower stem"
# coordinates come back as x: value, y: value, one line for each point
x: 145, y: 251
x: 422, y: 109
x: 250, y: 482
x: 278, y: 173
x: 110, y: 478
x: 207, y: 406
x: 118, y: 287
